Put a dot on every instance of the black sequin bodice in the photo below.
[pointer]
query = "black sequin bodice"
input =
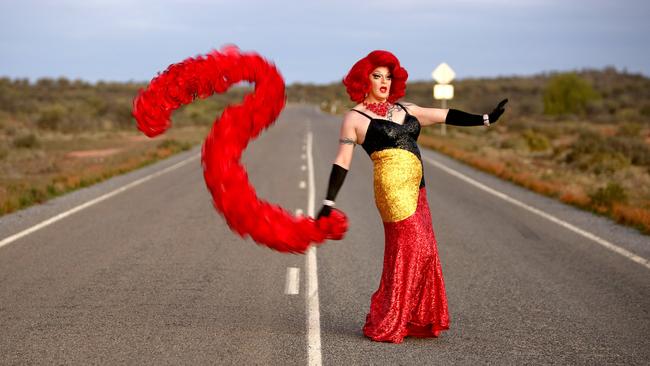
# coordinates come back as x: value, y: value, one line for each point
x: 383, y: 134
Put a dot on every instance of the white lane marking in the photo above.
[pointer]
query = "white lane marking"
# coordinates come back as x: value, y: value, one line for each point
x: 607, y: 244
x: 299, y: 212
x: 302, y: 184
x: 313, y: 309
x: 292, y: 284
x: 62, y: 215
x: 303, y: 167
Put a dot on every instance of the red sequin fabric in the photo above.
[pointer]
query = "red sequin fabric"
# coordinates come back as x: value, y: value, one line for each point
x: 411, y: 299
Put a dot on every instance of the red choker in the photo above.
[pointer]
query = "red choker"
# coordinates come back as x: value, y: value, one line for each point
x: 378, y: 108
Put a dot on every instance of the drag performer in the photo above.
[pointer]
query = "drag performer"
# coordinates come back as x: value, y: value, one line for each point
x: 411, y: 299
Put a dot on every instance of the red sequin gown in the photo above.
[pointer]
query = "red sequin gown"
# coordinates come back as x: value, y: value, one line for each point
x: 411, y: 299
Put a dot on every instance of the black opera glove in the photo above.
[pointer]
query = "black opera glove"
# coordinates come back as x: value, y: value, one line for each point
x: 460, y: 118
x: 337, y: 176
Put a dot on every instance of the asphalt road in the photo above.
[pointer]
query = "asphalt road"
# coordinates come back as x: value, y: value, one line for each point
x: 152, y: 275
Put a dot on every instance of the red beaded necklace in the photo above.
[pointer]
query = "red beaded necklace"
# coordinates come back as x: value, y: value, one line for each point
x: 378, y: 108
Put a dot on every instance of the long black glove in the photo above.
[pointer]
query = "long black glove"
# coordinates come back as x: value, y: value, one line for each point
x: 460, y: 118
x: 337, y: 176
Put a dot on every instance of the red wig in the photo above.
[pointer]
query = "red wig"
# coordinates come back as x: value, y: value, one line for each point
x: 357, y: 81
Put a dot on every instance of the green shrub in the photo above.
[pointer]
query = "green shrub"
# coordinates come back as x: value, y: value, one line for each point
x: 52, y: 190
x: 606, y: 196
x: 591, y: 152
x: 606, y: 162
x: 516, y: 143
x: 536, y: 141
x: 27, y: 141
x: 121, y: 114
x: 613, y: 152
x: 174, y: 145
x: 628, y: 114
x: 645, y: 110
x: 587, y: 142
x: 633, y: 148
x: 629, y: 130
x: 33, y: 195
x: 51, y: 117
x: 567, y: 93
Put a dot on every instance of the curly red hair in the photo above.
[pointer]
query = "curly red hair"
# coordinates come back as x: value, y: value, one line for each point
x: 357, y: 83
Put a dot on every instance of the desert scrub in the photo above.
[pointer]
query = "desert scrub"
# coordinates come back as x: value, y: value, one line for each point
x: 51, y: 117
x: 536, y: 141
x: 593, y: 152
x: 632, y: 147
x: 608, y: 195
x: 174, y: 145
x: 629, y: 130
x: 514, y: 142
x: 27, y: 141
x: 4, y: 150
x: 599, y: 162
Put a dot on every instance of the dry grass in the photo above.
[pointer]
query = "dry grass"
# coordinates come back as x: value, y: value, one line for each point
x: 61, y: 163
x: 568, y: 186
x: 634, y: 216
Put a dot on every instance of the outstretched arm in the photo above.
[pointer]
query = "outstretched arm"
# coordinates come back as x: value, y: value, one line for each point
x: 429, y: 116
x: 347, y: 141
x: 460, y: 118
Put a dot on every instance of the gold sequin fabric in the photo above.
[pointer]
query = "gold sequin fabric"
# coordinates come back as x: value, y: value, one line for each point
x: 397, y: 176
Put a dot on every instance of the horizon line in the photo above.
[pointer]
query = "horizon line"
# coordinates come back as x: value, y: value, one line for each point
x: 623, y: 70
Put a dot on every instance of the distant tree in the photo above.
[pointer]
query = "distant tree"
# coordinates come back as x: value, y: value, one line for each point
x: 62, y: 82
x: 567, y: 93
x: 46, y: 83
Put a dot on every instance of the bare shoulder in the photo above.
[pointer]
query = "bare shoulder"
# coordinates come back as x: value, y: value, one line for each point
x: 352, y: 118
x: 412, y: 108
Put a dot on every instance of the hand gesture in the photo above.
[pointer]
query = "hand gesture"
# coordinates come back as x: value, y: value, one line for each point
x: 498, y: 111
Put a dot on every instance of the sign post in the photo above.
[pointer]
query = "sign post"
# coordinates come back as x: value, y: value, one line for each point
x: 443, y: 90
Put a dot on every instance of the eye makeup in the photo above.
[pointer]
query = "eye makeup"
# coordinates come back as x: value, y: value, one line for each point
x: 377, y: 76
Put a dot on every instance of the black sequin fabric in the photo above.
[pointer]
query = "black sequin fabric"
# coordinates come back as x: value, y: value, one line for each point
x: 384, y: 134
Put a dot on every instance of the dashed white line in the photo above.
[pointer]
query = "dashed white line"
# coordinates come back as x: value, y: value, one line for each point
x: 108, y: 195
x: 302, y: 184
x: 607, y: 244
x: 292, y: 284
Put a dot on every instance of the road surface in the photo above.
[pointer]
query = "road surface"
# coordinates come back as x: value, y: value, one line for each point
x: 152, y: 275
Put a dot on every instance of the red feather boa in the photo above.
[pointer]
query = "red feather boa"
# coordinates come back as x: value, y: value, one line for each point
x: 233, y: 195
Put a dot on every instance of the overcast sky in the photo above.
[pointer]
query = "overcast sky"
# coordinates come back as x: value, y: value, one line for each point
x: 318, y: 41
